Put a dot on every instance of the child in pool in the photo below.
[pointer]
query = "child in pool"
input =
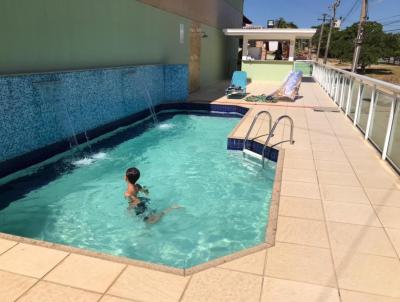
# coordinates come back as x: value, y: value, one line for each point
x: 131, y: 177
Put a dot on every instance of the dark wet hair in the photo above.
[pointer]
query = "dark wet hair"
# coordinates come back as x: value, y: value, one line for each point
x: 132, y: 174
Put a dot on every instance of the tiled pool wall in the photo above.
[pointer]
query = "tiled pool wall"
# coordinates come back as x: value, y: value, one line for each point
x: 60, y: 106
x: 256, y: 147
x: 40, y: 113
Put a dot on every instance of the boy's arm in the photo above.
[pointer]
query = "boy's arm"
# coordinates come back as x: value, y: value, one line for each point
x: 143, y: 189
x: 133, y: 199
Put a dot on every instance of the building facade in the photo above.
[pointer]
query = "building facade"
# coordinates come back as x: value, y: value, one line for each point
x: 54, y: 35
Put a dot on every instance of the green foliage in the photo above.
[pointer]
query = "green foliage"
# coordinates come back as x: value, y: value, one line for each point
x: 282, y: 23
x: 392, y: 45
x: 376, y: 44
x: 315, y: 38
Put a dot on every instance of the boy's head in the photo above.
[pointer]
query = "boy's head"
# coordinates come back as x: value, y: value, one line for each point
x: 132, y: 175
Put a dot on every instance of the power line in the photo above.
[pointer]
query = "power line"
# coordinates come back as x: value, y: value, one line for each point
x: 392, y: 30
x: 350, y: 12
x: 391, y: 22
x: 387, y: 18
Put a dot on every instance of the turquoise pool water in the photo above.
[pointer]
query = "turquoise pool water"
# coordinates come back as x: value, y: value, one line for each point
x: 79, y: 200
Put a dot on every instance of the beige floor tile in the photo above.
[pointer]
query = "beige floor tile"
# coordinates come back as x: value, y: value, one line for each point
x: 108, y: 298
x: 389, y: 216
x: 299, y: 144
x: 30, y: 260
x: 322, y: 135
x: 291, y: 291
x: 6, y: 244
x: 301, y: 263
x: 300, y: 207
x: 360, y: 153
x: 49, y: 292
x: 350, y: 296
x: 334, y: 166
x: 384, y: 197
x: 299, y: 175
x: 343, y: 194
x: 352, y: 142
x: 148, y: 285
x: 366, y: 165
x: 253, y: 263
x: 380, y: 179
x: 13, y: 286
x: 368, y: 273
x: 298, y: 154
x: 223, y: 285
x: 293, y: 163
x: 353, y: 213
x: 351, y: 238
x: 335, y: 156
x: 340, y: 179
x: 394, y: 235
x: 85, y: 272
x: 318, y: 147
x: 302, y: 231
x: 317, y: 138
x: 300, y: 189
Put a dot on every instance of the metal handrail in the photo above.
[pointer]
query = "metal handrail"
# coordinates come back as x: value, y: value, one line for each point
x: 253, y: 123
x: 354, y: 98
x: 272, y: 133
x: 362, y: 78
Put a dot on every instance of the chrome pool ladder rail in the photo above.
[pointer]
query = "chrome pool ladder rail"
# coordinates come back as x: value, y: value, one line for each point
x: 271, y: 134
x: 254, y: 122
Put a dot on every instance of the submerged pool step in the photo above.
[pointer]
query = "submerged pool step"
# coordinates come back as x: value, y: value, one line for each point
x: 252, y: 154
x: 270, y: 133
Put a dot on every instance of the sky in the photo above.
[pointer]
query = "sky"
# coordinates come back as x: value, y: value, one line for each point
x: 304, y: 13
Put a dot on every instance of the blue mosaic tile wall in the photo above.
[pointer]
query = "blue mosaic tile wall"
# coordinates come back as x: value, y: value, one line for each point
x: 37, y: 110
x: 237, y: 144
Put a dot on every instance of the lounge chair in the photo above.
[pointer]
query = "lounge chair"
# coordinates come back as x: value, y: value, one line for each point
x: 289, y: 90
x: 238, y: 84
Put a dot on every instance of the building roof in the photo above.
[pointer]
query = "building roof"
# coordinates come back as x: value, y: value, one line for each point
x: 271, y: 33
x: 246, y: 20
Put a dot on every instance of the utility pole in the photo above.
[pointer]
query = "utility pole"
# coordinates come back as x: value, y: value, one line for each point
x: 321, y: 34
x: 360, y: 35
x: 334, y: 7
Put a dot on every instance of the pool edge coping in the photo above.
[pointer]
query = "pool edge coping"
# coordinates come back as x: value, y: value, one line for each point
x: 269, y: 238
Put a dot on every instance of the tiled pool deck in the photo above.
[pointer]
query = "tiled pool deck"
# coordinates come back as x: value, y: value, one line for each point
x: 338, y: 236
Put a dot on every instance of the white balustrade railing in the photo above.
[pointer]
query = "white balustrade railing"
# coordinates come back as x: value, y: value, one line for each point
x: 372, y: 105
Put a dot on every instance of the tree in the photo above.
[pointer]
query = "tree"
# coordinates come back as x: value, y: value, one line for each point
x: 376, y: 44
x: 282, y: 23
x: 392, y: 45
x: 315, y: 38
x: 373, y: 47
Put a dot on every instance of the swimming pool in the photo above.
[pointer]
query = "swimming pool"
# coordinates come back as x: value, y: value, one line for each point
x: 79, y: 200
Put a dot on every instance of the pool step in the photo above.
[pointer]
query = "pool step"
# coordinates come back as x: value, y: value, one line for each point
x: 252, y: 154
x: 270, y: 132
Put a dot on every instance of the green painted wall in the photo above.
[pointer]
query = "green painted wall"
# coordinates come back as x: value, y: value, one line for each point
x: 305, y: 67
x: 45, y: 35
x: 49, y: 35
x: 218, y: 54
x: 267, y: 71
